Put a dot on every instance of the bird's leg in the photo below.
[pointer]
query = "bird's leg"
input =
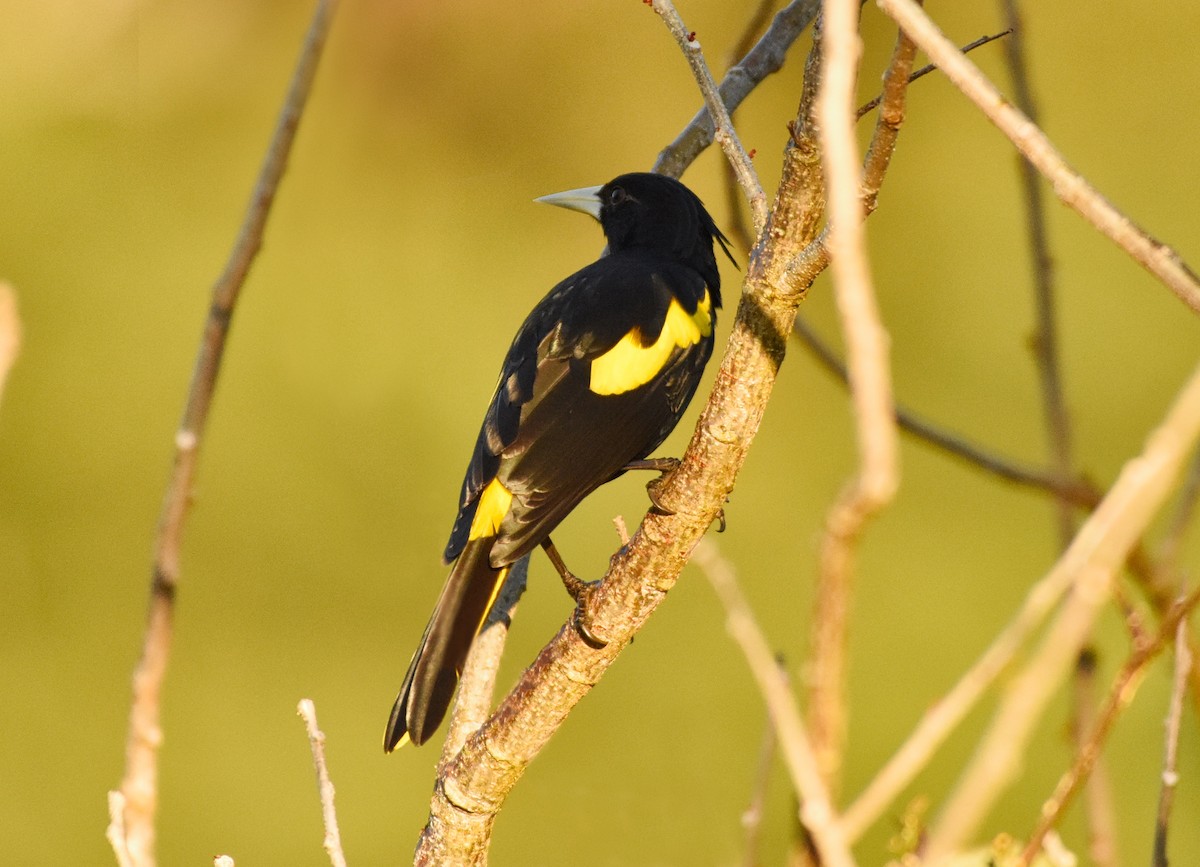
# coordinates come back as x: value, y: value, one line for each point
x: 580, y: 590
x: 664, y: 466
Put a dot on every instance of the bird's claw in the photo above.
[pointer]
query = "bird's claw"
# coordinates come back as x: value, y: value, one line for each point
x: 581, y: 591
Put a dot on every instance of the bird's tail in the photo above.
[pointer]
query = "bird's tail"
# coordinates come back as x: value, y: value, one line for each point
x: 435, y: 668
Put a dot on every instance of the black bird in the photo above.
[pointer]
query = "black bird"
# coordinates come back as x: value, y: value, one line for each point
x: 597, y: 376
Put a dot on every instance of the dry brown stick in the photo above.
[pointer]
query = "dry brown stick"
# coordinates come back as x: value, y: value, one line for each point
x: 1185, y: 511
x: 10, y: 332
x: 766, y: 57
x: 1070, y: 187
x: 477, y: 685
x: 1079, y: 491
x: 1170, y: 774
x: 1045, y: 338
x: 736, y: 228
x: 819, y: 819
x: 1099, y: 801
x: 1153, y: 575
x: 725, y: 135
x: 868, y: 106
x: 869, y: 372
x: 139, y: 786
x: 474, y: 786
x: 755, y: 812
x: 1100, y: 812
x: 1124, y: 688
x: 1090, y: 563
x: 316, y: 740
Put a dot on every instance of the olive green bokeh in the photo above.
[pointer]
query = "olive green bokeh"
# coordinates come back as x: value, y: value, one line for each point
x: 402, y: 253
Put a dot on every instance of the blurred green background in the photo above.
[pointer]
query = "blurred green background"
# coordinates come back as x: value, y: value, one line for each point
x: 402, y: 254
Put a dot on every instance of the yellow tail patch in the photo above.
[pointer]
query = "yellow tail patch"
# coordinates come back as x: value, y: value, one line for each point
x: 630, y: 364
x: 493, y: 506
x: 500, y: 576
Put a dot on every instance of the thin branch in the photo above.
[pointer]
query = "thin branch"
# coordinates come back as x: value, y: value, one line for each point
x: 1098, y: 792
x: 10, y: 332
x: 752, y: 817
x: 801, y: 761
x: 116, y: 834
x: 316, y: 739
x: 477, y: 685
x: 1069, y: 185
x: 945, y: 715
x: 869, y: 106
x: 736, y: 222
x: 139, y: 786
x: 1101, y: 818
x: 1080, y: 492
x: 1185, y: 511
x: 1045, y: 339
x: 767, y: 57
x: 725, y: 134
x: 870, y: 377
x: 1170, y: 775
x: 1124, y: 688
x: 1089, y: 565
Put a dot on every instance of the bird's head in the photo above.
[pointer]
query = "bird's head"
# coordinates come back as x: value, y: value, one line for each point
x: 653, y: 212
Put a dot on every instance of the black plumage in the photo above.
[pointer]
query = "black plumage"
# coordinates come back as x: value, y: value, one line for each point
x: 597, y: 376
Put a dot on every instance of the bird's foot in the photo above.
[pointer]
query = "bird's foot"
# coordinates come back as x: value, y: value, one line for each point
x: 662, y: 466
x: 581, y: 591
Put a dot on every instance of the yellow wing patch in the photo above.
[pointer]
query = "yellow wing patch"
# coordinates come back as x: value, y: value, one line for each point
x: 630, y: 364
x: 493, y: 506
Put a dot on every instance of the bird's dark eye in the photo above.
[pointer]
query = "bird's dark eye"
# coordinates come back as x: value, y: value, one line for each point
x: 617, y: 195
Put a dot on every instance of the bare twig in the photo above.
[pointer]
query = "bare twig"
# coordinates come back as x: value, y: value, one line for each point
x: 1089, y: 564
x: 316, y: 740
x: 1045, y: 338
x: 139, y: 786
x: 1170, y: 774
x: 622, y: 530
x: 870, y: 105
x: 752, y: 817
x: 1101, y: 817
x: 1185, y: 511
x: 1077, y: 490
x: 945, y: 715
x: 10, y: 332
x: 1153, y: 575
x: 477, y: 684
x: 1069, y: 185
x: 1098, y: 791
x: 1120, y: 695
x: 725, y: 135
x: 116, y: 834
x: 870, y: 376
x: 736, y: 223
x: 817, y: 811
x: 765, y: 58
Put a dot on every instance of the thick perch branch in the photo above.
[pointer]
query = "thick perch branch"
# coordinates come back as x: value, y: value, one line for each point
x: 1068, y: 185
x: 139, y: 786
